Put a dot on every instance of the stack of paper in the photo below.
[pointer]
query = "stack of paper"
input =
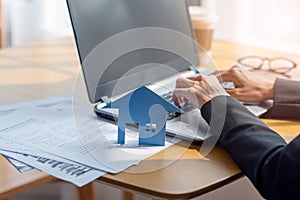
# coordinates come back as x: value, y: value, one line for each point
x: 59, y: 138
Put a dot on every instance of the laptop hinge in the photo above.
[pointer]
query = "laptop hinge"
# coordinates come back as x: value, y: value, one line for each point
x: 105, y: 99
x: 103, y: 102
x: 194, y: 69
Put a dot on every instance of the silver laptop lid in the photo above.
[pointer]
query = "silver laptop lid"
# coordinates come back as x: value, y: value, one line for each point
x: 103, y: 46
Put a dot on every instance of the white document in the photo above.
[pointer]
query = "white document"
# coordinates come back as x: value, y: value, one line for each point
x: 52, y: 130
x: 6, y: 109
x: 21, y: 167
x: 77, y: 174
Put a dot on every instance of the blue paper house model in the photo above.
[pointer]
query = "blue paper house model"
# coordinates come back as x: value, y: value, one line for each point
x: 148, y: 110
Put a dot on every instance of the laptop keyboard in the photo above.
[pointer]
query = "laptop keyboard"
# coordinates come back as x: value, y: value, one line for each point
x: 185, y: 107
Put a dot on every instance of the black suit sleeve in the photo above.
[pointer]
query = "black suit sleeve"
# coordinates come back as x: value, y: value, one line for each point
x: 263, y: 156
x: 286, y: 99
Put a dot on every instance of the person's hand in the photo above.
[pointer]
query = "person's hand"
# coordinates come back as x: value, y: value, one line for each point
x: 248, y: 86
x: 197, y: 90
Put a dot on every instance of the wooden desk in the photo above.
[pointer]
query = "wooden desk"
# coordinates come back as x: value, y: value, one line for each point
x: 47, y: 68
x: 13, y: 182
x: 26, y: 73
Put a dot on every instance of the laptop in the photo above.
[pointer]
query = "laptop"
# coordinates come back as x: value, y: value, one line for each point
x: 153, y: 43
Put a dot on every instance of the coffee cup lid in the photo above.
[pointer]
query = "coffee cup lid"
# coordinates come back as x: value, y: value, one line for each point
x: 199, y: 13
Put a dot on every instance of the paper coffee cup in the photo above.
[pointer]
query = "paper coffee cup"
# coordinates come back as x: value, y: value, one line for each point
x: 203, y: 21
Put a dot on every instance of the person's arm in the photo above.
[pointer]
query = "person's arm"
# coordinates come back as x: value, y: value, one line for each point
x: 286, y: 99
x: 272, y: 165
x: 252, y: 88
x: 262, y: 155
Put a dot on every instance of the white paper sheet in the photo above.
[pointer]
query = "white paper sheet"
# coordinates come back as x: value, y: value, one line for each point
x: 49, y: 129
x: 77, y: 174
x: 21, y: 167
x: 47, y: 102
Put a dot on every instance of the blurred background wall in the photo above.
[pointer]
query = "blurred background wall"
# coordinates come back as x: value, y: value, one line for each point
x: 271, y: 24
x: 267, y: 23
x: 30, y: 20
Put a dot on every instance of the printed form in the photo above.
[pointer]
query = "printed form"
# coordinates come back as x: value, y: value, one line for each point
x: 68, y: 145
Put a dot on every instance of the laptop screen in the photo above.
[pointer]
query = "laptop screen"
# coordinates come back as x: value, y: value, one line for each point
x: 112, y: 42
